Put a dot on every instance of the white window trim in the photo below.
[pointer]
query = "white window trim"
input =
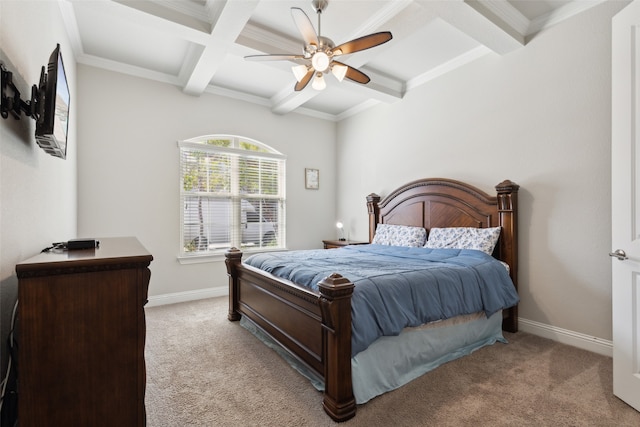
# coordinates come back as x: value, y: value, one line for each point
x: 217, y: 257
x: 196, y: 143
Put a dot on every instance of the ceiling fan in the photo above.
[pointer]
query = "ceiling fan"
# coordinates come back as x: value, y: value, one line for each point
x: 319, y: 53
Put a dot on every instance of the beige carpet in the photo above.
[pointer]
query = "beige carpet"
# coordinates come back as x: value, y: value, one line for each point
x: 203, y: 370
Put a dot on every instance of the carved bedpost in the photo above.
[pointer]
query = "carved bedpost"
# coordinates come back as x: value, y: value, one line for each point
x: 508, y: 209
x: 374, y: 214
x: 233, y: 258
x: 335, y: 305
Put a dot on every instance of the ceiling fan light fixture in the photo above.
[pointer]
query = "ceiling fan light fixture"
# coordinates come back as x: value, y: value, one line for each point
x: 319, y: 52
x: 320, y: 61
x: 339, y: 71
x: 318, y: 82
x: 299, y: 71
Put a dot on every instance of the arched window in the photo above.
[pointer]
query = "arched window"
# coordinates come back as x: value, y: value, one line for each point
x: 232, y: 194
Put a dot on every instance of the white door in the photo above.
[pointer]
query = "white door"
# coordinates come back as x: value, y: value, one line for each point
x: 625, y: 199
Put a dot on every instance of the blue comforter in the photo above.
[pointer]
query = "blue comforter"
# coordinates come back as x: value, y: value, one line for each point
x: 398, y: 287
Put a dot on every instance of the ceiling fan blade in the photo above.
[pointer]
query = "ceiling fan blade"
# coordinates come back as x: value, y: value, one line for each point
x: 362, y: 43
x: 355, y: 75
x: 305, y: 26
x: 305, y: 80
x: 273, y: 57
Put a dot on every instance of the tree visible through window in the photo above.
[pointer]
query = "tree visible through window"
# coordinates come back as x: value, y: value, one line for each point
x: 232, y: 195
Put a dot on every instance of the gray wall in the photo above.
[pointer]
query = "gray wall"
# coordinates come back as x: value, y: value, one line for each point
x: 128, y: 164
x: 37, y: 191
x: 540, y: 116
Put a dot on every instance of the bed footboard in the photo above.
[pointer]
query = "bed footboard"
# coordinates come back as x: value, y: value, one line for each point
x: 315, y: 328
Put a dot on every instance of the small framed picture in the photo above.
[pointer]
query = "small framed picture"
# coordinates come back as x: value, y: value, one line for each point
x: 311, y: 179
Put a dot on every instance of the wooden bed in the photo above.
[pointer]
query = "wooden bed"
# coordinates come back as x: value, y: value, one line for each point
x: 315, y: 327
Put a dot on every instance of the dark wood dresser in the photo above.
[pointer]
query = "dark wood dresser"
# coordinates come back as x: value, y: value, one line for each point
x: 82, y: 334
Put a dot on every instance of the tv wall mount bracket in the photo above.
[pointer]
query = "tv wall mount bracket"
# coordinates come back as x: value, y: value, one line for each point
x: 12, y: 104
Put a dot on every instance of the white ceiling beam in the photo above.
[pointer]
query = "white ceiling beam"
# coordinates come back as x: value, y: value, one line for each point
x: 506, y: 12
x: 381, y: 18
x: 381, y: 87
x: 149, y: 20
x: 288, y: 99
x: 475, y: 20
x: 228, y: 24
x: 448, y: 66
x: 267, y: 42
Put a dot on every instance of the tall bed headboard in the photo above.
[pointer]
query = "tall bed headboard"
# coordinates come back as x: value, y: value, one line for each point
x: 440, y: 202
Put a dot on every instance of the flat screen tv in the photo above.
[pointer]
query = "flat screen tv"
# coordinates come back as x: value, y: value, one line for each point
x: 52, y: 123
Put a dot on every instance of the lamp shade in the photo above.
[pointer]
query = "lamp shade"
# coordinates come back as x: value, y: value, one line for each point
x: 318, y: 82
x: 299, y: 71
x: 339, y: 71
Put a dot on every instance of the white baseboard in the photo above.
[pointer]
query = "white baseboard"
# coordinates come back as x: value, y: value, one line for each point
x: 187, y: 296
x: 565, y: 336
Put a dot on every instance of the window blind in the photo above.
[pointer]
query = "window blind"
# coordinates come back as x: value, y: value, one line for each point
x: 232, y: 195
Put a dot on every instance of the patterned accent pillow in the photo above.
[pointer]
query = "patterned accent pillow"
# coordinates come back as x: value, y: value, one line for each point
x: 482, y: 239
x: 399, y: 235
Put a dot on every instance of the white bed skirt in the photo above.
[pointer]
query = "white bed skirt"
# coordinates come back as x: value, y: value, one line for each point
x: 391, y: 362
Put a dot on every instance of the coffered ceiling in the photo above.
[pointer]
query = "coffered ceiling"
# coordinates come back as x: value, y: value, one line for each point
x: 200, y: 45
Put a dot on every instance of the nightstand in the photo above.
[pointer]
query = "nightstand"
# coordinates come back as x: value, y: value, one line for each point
x: 332, y: 244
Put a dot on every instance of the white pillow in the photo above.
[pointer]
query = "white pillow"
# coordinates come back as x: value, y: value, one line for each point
x: 482, y: 239
x: 399, y: 235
